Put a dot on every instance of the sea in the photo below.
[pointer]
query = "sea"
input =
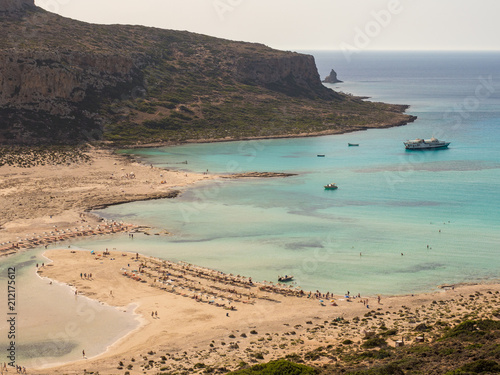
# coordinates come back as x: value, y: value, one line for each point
x: 401, y: 222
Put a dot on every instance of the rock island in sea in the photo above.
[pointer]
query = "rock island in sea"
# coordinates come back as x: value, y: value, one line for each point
x: 332, y: 78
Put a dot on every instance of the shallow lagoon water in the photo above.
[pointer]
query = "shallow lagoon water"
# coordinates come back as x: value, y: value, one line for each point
x: 389, y: 202
x: 52, y: 324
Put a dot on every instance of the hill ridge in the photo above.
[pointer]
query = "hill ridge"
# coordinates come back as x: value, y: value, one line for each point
x: 66, y: 81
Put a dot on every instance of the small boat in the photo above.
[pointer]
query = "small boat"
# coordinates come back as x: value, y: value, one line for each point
x: 331, y: 186
x: 285, y: 278
x: 353, y: 144
x: 320, y: 156
x: 425, y: 144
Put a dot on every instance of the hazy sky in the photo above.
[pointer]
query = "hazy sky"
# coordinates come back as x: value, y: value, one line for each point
x: 309, y: 24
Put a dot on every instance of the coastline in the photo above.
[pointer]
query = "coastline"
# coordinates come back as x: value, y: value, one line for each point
x: 65, y: 212
x: 130, y: 308
x: 224, y: 319
x: 272, y: 325
x: 411, y: 119
x: 43, y: 205
x: 46, y: 201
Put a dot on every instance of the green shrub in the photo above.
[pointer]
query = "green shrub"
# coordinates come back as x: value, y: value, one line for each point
x: 374, y: 342
x: 481, y: 366
x: 471, y: 329
x: 279, y: 367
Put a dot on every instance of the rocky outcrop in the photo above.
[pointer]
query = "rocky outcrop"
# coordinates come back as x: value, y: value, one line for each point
x: 295, y: 75
x: 332, y: 78
x: 65, y: 81
x: 260, y: 175
x: 53, y: 81
x: 15, y: 5
x: 61, y: 87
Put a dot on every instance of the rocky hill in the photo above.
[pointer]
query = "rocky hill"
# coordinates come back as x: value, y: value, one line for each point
x: 65, y: 81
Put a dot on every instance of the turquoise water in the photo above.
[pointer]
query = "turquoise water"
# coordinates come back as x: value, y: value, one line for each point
x: 389, y: 202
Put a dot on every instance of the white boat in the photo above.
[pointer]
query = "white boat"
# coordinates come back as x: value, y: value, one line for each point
x: 425, y: 144
x: 331, y: 186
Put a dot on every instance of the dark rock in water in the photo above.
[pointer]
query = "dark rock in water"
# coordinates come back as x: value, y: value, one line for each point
x: 332, y: 78
x: 260, y: 175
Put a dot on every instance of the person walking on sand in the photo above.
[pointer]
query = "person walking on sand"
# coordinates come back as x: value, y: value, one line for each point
x: 83, y: 352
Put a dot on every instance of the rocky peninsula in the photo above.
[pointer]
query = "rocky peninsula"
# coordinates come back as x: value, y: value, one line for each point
x: 129, y: 85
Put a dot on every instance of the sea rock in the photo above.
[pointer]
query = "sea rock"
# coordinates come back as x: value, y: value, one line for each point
x: 332, y: 78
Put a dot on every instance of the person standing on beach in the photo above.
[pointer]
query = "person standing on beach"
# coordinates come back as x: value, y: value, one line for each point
x: 83, y: 352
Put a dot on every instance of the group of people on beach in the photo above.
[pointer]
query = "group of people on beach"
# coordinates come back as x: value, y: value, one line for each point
x: 184, y: 278
x: 19, y: 369
x: 58, y: 235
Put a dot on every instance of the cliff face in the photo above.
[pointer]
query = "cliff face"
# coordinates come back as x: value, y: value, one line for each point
x: 54, y: 81
x: 65, y: 81
x: 48, y: 96
x: 295, y: 75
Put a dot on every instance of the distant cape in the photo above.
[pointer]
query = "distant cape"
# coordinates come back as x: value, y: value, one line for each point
x: 332, y: 78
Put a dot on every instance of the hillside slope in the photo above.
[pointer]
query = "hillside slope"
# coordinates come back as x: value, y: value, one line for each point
x: 65, y: 81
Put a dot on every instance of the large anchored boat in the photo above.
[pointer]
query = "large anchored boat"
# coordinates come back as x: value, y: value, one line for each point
x: 425, y: 144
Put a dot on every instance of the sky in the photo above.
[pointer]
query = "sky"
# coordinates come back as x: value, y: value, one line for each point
x: 309, y: 24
